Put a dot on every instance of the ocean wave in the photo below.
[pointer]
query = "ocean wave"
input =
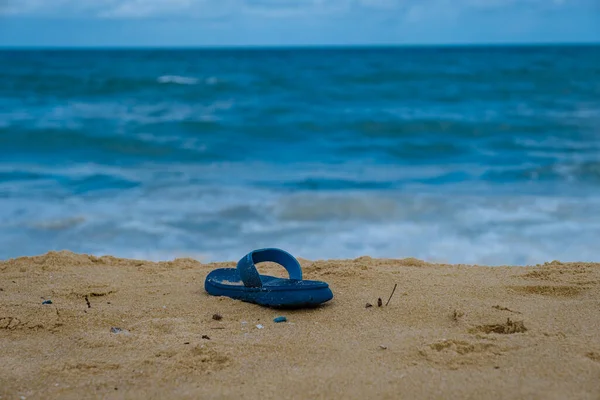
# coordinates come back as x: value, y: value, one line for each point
x: 80, y: 146
x: 560, y: 144
x: 78, y: 114
x: 186, y: 143
x: 584, y: 171
x: 180, y: 80
x: 223, y: 221
x: 327, y: 208
x: 67, y: 86
x: 319, y: 184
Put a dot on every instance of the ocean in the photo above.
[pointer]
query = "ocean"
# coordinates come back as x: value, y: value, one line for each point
x: 484, y: 155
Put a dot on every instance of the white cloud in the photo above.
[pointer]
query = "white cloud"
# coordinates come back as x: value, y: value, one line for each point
x: 524, y: 4
x: 51, y: 7
x: 419, y: 12
x: 145, y: 8
x: 383, y: 4
x: 412, y: 9
x: 293, y: 8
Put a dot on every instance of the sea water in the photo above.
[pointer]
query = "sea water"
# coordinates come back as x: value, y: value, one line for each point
x: 453, y: 154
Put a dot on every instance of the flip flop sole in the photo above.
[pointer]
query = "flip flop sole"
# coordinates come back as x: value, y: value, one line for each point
x: 274, y: 292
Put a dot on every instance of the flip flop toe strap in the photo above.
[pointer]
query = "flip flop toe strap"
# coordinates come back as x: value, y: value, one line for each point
x: 249, y: 274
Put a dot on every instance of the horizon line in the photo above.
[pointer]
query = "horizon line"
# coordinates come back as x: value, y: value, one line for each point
x: 301, y: 46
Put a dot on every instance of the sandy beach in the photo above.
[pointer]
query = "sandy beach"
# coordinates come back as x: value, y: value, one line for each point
x: 132, y: 329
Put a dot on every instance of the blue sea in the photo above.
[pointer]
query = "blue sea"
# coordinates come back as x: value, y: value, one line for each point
x: 452, y: 154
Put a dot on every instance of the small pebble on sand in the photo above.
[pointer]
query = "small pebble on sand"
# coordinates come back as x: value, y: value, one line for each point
x: 117, y: 331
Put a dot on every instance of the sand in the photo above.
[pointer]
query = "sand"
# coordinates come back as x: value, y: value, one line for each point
x: 134, y: 329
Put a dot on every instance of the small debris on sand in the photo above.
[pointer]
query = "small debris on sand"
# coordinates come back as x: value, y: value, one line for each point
x: 456, y: 315
x: 393, y: 291
x: 117, y: 331
x: 497, y: 307
x: 507, y: 328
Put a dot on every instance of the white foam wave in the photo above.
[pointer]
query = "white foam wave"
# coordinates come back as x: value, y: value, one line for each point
x: 171, y: 214
x: 72, y: 115
x: 180, y: 80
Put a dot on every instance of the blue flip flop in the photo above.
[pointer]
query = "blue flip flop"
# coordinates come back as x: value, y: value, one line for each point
x: 246, y: 284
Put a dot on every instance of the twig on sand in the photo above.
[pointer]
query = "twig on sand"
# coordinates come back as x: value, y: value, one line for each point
x: 456, y: 315
x: 87, y: 301
x: 388, y: 302
x: 505, y: 309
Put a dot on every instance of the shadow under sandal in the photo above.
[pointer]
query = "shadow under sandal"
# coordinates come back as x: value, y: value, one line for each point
x: 246, y: 284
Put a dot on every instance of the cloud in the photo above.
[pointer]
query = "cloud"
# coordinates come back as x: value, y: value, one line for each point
x: 144, y: 8
x: 199, y: 9
x: 41, y: 8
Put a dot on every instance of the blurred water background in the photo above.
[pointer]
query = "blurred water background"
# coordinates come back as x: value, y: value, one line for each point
x: 457, y: 154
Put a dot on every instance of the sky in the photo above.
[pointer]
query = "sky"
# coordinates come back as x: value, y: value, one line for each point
x: 191, y: 23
